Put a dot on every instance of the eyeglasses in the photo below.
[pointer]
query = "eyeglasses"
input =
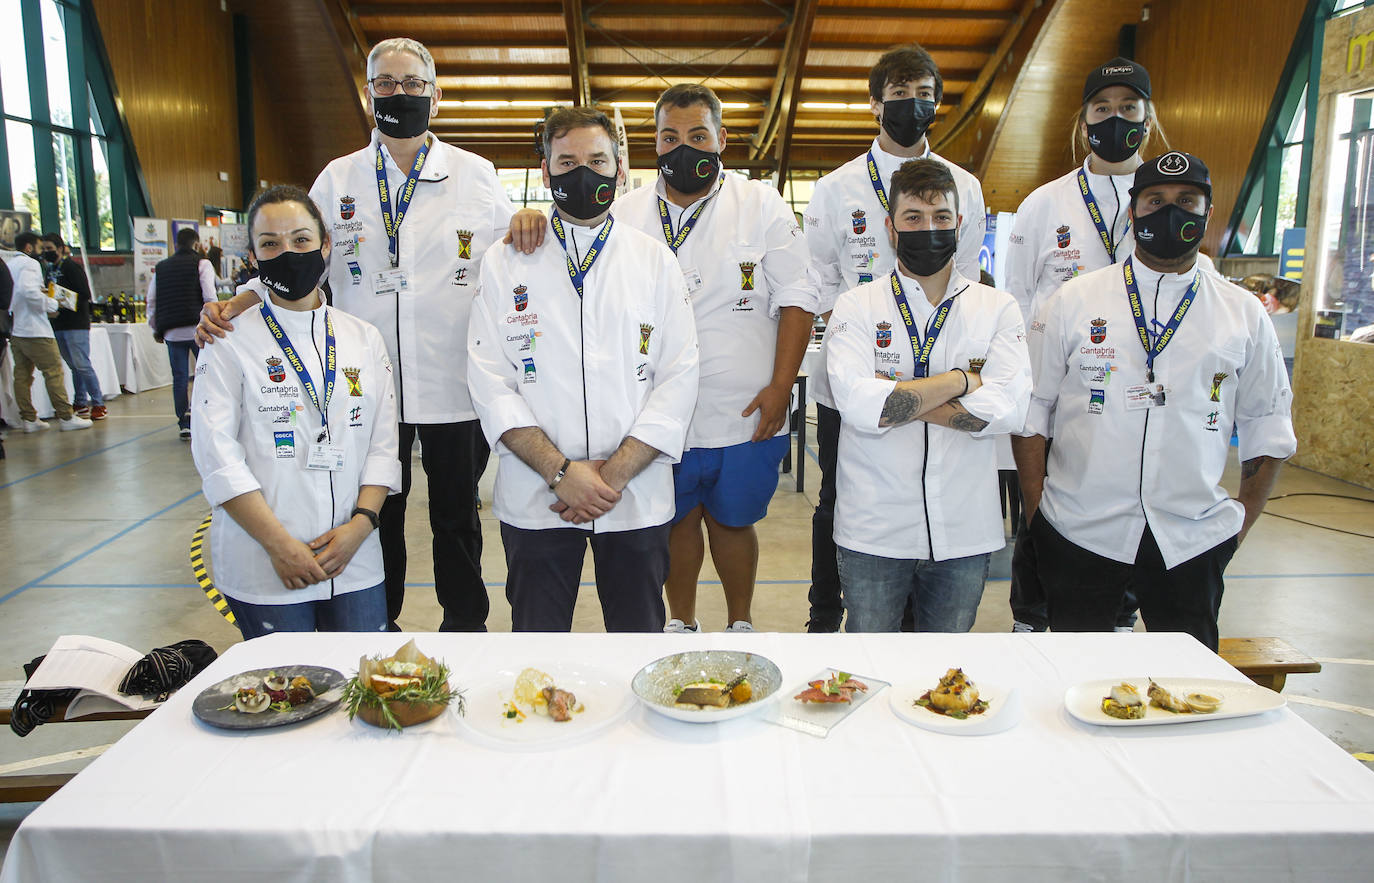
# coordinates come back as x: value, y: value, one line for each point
x: 384, y: 86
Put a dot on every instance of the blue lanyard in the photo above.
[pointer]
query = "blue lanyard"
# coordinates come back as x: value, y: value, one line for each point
x: 1138, y: 314
x: 920, y: 350
x: 294, y: 360
x: 1095, y: 213
x: 675, y: 242
x: 876, y: 180
x: 578, y: 272
x: 391, y: 220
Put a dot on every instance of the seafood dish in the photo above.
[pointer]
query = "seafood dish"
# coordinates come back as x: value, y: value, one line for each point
x: 400, y: 690
x: 273, y: 692
x: 535, y: 693
x: 1125, y: 702
x: 1191, y: 703
x: 839, y: 687
x: 954, y: 696
x: 713, y: 693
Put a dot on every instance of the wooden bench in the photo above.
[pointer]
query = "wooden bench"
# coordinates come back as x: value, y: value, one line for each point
x: 32, y: 788
x: 1266, y: 661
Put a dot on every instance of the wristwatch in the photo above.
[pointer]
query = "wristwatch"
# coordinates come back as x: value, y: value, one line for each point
x: 369, y: 515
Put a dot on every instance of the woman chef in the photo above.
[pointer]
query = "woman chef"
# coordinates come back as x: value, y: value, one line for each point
x: 294, y: 435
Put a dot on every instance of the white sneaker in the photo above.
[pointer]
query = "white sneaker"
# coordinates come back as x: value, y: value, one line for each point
x: 740, y: 625
x: 1123, y: 628
x: 677, y: 626
x: 74, y: 422
x: 35, y: 425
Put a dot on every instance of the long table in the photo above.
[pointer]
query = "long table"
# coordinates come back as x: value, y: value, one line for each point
x: 102, y: 362
x: 141, y: 361
x: 1258, y: 798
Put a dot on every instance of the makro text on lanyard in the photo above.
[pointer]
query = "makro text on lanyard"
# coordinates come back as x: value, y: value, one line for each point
x: 578, y: 272
x: 876, y: 180
x: 1138, y: 314
x: 392, y: 220
x: 920, y: 350
x: 294, y: 360
x: 1095, y: 212
x: 675, y: 242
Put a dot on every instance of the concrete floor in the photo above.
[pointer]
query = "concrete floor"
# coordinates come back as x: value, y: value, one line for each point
x: 95, y: 528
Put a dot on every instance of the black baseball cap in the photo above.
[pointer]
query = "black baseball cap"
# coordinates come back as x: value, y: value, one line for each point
x: 1118, y: 72
x: 1174, y: 167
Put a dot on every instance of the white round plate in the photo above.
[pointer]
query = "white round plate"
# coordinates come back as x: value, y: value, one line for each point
x: 601, y: 693
x: 1238, y: 699
x: 655, y: 683
x: 1004, y: 710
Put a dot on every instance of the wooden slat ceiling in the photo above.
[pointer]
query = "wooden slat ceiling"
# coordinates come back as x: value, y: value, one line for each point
x: 502, y: 64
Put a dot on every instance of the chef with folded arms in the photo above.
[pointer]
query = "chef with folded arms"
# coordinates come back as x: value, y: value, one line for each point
x: 848, y: 248
x: 744, y: 261
x: 927, y: 367
x: 410, y: 218
x: 295, y: 440
x: 582, y: 360
x: 1141, y: 371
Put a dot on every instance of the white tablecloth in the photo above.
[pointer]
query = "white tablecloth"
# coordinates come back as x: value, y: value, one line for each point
x: 141, y: 361
x: 102, y: 360
x: 1256, y: 799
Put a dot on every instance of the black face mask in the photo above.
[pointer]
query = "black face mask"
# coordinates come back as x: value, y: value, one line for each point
x: 582, y: 193
x: 1170, y: 232
x: 292, y: 275
x: 906, y: 120
x: 1115, y: 139
x: 51, y: 256
x: 925, y: 252
x: 689, y: 170
x: 401, y: 115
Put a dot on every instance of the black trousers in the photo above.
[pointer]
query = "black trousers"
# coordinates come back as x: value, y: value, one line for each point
x: 1028, y: 603
x: 1085, y: 591
x: 827, y: 608
x: 454, y: 455
x: 544, y: 570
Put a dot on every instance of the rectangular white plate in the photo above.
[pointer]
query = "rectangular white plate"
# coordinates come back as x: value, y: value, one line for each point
x: 1238, y: 699
x: 818, y: 719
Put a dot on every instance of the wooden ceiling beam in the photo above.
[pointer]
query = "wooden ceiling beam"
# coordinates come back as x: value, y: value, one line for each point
x: 804, y: 19
x: 785, y: 78
x: 574, y: 18
x: 455, y: 10
x: 908, y: 13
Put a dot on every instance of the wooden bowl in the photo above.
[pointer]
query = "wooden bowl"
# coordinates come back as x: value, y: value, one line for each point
x: 407, y: 713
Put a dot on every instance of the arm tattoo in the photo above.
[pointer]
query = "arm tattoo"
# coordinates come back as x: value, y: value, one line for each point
x: 1250, y: 468
x: 901, y: 406
x: 964, y: 421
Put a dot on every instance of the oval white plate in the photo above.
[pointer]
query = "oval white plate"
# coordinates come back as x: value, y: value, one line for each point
x: 601, y: 693
x: 1238, y: 699
x: 654, y: 683
x: 1004, y: 710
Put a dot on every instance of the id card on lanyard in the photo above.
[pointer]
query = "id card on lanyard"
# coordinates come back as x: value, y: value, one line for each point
x: 392, y: 216
x: 322, y: 455
x: 921, y: 349
x: 578, y: 272
x: 1153, y: 393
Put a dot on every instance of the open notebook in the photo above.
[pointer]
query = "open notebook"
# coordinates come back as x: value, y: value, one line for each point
x: 94, y: 666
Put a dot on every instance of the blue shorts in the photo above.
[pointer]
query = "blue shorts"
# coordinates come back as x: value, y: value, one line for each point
x: 734, y: 484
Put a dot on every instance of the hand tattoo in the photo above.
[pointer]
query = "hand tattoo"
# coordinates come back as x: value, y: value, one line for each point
x: 901, y: 406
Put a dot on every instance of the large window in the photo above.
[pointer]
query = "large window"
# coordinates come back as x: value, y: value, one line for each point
x: 63, y: 163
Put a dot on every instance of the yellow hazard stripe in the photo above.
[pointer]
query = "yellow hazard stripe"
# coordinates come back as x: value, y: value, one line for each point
x: 203, y: 576
x: 1363, y: 756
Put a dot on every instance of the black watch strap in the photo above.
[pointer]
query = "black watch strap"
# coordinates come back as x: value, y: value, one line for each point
x: 369, y: 515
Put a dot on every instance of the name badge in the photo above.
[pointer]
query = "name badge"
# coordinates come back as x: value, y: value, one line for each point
x: 389, y: 282
x: 1146, y: 395
x: 692, y: 276
x: 327, y: 458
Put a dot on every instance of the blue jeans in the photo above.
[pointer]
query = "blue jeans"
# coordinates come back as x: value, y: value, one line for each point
x: 360, y: 611
x: 76, y: 352
x: 944, y: 594
x: 181, y: 353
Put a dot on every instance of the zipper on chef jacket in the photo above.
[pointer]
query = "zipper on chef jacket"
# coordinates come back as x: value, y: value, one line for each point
x: 582, y: 340
x: 400, y: 362
x: 1145, y: 433
x: 925, y: 506
x: 325, y: 416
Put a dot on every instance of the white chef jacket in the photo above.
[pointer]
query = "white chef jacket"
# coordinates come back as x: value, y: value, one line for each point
x: 30, y: 305
x: 744, y: 260
x: 903, y: 491
x: 848, y: 240
x: 252, y: 427
x: 457, y: 212
x: 620, y: 361
x: 1111, y: 469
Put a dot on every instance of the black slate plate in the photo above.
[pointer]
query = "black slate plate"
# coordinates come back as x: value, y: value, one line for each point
x: 209, y: 706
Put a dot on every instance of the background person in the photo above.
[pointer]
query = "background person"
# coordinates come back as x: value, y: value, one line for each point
x: 181, y: 284
x: 33, y: 341
x: 72, y: 328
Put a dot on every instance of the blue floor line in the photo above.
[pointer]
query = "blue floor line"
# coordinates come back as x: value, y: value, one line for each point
x: 812, y: 454
x: 97, y: 547
x: 83, y: 457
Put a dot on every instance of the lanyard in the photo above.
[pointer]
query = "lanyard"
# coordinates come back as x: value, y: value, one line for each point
x: 1095, y: 213
x: 391, y: 219
x: 578, y: 272
x: 877, y: 181
x: 1138, y: 313
x: 920, y: 350
x: 675, y: 242
x: 330, y: 360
